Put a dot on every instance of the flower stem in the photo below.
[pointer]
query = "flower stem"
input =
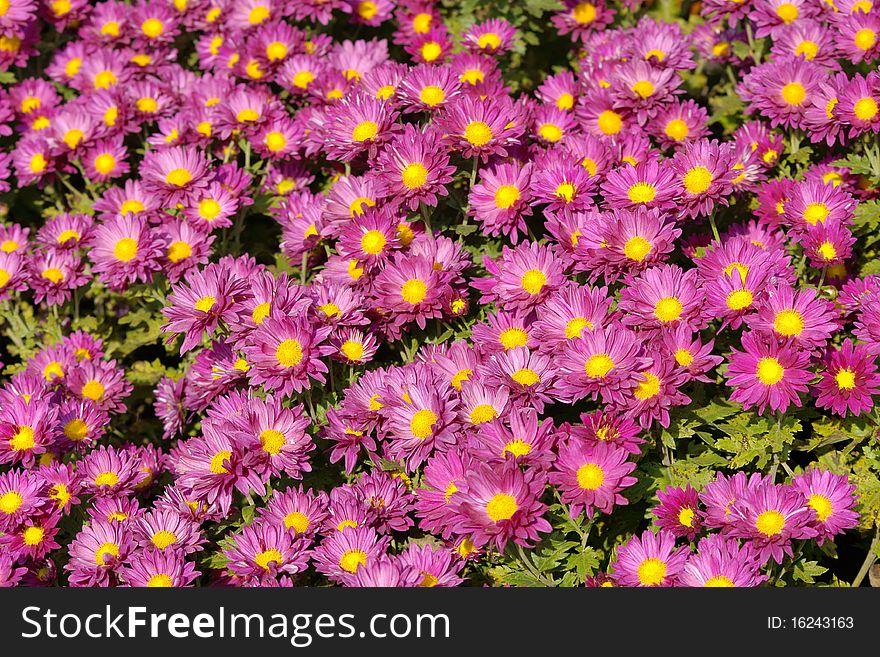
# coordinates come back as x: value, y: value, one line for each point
x: 714, y: 228
x: 870, y: 558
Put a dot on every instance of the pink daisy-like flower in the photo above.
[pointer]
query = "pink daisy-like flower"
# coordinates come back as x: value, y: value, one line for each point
x: 501, y: 200
x: 678, y: 511
x: 158, y: 569
x: 124, y: 251
x: 494, y: 36
x: 601, y: 362
x: 767, y: 373
x: 798, y: 317
x: 771, y: 516
x: 341, y: 554
x: 833, y: 499
x: 284, y: 354
x: 722, y: 562
x: 663, y: 297
x: 265, y: 550
x: 649, y: 560
x: 529, y: 274
x: 174, y: 174
x: 849, y: 381
x: 480, y: 127
x: 414, y: 168
x: 199, y: 304
x: 647, y: 185
x: 498, y: 505
x: 358, y: 124
x: 592, y: 475
x: 410, y: 289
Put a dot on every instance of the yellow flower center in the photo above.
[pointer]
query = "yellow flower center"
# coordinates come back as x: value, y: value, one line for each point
x: 718, y: 581
x: 865, y: 38
x: 329, y: 309
x: 266, y: 557
x: 770, y: 523
x: 501, y: 507
x: 575, y: 326
x: 160, y: 580
x: 845, y: 379
x: 483, y: 413
x: 107, y: 478
x: 53, y: 274
x: 217, y: 465
x: 431, y: 50
x: 414, y: 175
x: 258, y: 14
x: 794, y: 93
x: 490, y: 41
x: 38, y: 163
x: 610, y: 122
x: 809, y: 49
x: 513, y: 337
x: 865, y: 109
x: 205, y: 303
x: 209, y: 209
x: 738, y: 266
x: 105, y: 80
x: 526, y: 377
x: 125, y: 249
x: 260, y: 312
x: 352, y: 559
x: 517, y: 448
x: 668, y: 309
x: 105, y: 550
x: 598, y: 366
x: 822, y: 505
x: 643, y: 88
x: 648, y: 388
x: 816, y: 213
x: 105, y: 163
x: 10, y: 501
x: 178, y: 251
x: 787, y: 12
x: 550, y: 132
x: 272, y: 441
x: 352, y: 350
x: 652, y: 572
x: 584, y: 13
x: 565, y: 101
x: 422, y: 423
x: 686, y: 517
x: 414, y: 291
x: 289, y: 353
x: 697, y: 180
x: 827, y: 251
x: 566, y: 191
x: 275, y: 141
x: 590, y: 476
x: 637, y: 248
x: 477, y: 133
x: 303, y: 79
x: 533, y: 281
x: 506, y: 196
x: 432, y: 95
x: 247, y: 115
x: 93, y: 390
x: 275, y: 51
x: 739, y: 299
x: 163, y: 538
x: 642, y: 192
x: 770, y: 371
x: 296, y: 520
x: 372, y: 242
x: 676, y: 129
x: 76, y: 429
x: 178, y: 177
x: 461, y: 376
x: 788, y: 323
x: 364, y: 131
x: 132, y: 206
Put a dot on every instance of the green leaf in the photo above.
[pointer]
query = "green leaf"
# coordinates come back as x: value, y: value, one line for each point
x: 807, y: 571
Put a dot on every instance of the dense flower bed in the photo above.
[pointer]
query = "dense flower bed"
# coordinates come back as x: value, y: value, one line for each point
x: 414, y: 293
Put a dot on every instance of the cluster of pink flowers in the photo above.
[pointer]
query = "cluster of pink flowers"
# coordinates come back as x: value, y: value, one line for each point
x: 413, y: 201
